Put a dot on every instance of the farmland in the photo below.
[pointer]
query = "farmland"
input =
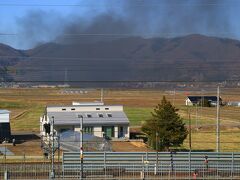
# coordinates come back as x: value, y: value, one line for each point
x: 27, y: 105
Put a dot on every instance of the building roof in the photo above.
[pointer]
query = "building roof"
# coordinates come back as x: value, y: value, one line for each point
x: 3, y: 111
x: 198, y: 98
x: 96, y: 103
x: 87, y: 105
x: 70, y: 118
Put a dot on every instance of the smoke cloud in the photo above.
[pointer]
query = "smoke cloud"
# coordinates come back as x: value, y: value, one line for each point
x: 106, y: 20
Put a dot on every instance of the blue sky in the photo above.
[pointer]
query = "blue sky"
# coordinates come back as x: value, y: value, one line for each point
x: 149, y: 18
x: 13, y: 11
x: 9, y: 13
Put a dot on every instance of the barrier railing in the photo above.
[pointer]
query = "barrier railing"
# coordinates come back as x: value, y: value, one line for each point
x: 131, y: 165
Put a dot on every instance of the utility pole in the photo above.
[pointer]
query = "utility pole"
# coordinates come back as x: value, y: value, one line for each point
x: 196, y: 116
x: 81, y: 144
x: 65, y: 76
x: 102, y: 95
x: 174, y: 97
x: 53, y: 151
x: 218, y: 121
x: 190, y: 129
x: 201, y: 113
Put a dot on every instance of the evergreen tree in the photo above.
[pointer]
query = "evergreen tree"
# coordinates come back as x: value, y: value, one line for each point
x: 165, y: 129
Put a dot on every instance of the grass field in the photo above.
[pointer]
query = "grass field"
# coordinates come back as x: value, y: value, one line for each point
x: 27, y: 105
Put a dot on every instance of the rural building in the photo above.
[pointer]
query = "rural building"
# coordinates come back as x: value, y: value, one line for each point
x: 5, y: 130
x: 98, y: 119
x: 234, y: 103
x: 195, y: 100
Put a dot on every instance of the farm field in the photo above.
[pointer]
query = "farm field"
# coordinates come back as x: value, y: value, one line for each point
x: 27, y: 105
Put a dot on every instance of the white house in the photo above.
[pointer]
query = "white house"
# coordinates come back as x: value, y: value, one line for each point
x: 5, y: 131
x: 98, y: 119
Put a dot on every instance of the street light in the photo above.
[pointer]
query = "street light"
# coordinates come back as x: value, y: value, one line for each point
x: 81, y: 143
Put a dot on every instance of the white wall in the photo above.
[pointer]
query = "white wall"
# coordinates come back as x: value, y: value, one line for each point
x: 98, y: 131
x: 4, y: 118
x: 188, y: 102
x: 126, y: 131
x: 116, y: 131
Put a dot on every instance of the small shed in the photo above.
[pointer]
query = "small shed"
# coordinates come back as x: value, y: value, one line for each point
x: 194, y: 100
x: 5, y: 130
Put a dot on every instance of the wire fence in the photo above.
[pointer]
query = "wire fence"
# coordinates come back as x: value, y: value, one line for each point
x: 120, y: 171
x: 126, y: 166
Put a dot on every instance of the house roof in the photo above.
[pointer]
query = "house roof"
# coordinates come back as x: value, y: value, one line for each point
x: 70, y: 118
x: 198, y: 98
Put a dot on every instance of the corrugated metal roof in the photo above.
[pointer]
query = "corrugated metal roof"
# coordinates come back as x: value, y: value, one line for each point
x: 70, y: 118
x: 3, y: 111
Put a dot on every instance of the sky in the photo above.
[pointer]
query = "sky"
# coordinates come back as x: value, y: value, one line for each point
x: 25, y: 24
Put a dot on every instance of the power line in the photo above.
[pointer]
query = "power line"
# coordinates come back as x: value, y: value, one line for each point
x: 160, y: 34
x: 212, y: 60
x: 117, y: 5
x: 128, y: 81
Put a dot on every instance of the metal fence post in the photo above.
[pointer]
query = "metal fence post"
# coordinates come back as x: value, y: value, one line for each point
x: 156, y: 171
x: 190, y: 164
x: 142, y: 174
x: 105, y: 164
x: 6, y: 175
x: 232, y: 167
x: 63, y: 165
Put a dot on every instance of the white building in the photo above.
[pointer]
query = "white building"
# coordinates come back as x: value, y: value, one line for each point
x: 98, y: 119
x: 234, y: 103
x: 5, y: 131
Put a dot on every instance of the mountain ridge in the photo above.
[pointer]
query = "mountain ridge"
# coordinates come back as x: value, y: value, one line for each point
x: 187, y: 58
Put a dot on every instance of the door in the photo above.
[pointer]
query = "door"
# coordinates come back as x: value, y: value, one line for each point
x: 108, y: 131
x: 120, y: 133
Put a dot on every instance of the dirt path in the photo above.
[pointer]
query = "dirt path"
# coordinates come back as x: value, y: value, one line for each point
x: 119, y: 146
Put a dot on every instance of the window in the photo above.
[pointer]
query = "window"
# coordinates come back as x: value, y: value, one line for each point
x: 89, y: 115
x: 98, y: 109
x: 63, y: 109
x: 106, y: 108
x: 109, y: 115
x: 100, y: 115
x: 73, y: 109
x: 88, y: 130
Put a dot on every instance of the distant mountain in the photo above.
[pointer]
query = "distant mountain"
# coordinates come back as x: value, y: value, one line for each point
x: 192, y: 57
x: 8, y: 57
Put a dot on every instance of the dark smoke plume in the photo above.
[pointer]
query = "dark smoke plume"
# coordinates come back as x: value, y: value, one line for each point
x: 107, y: 20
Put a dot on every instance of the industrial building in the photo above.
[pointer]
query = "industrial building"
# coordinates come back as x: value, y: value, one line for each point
x: 97, y: 119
